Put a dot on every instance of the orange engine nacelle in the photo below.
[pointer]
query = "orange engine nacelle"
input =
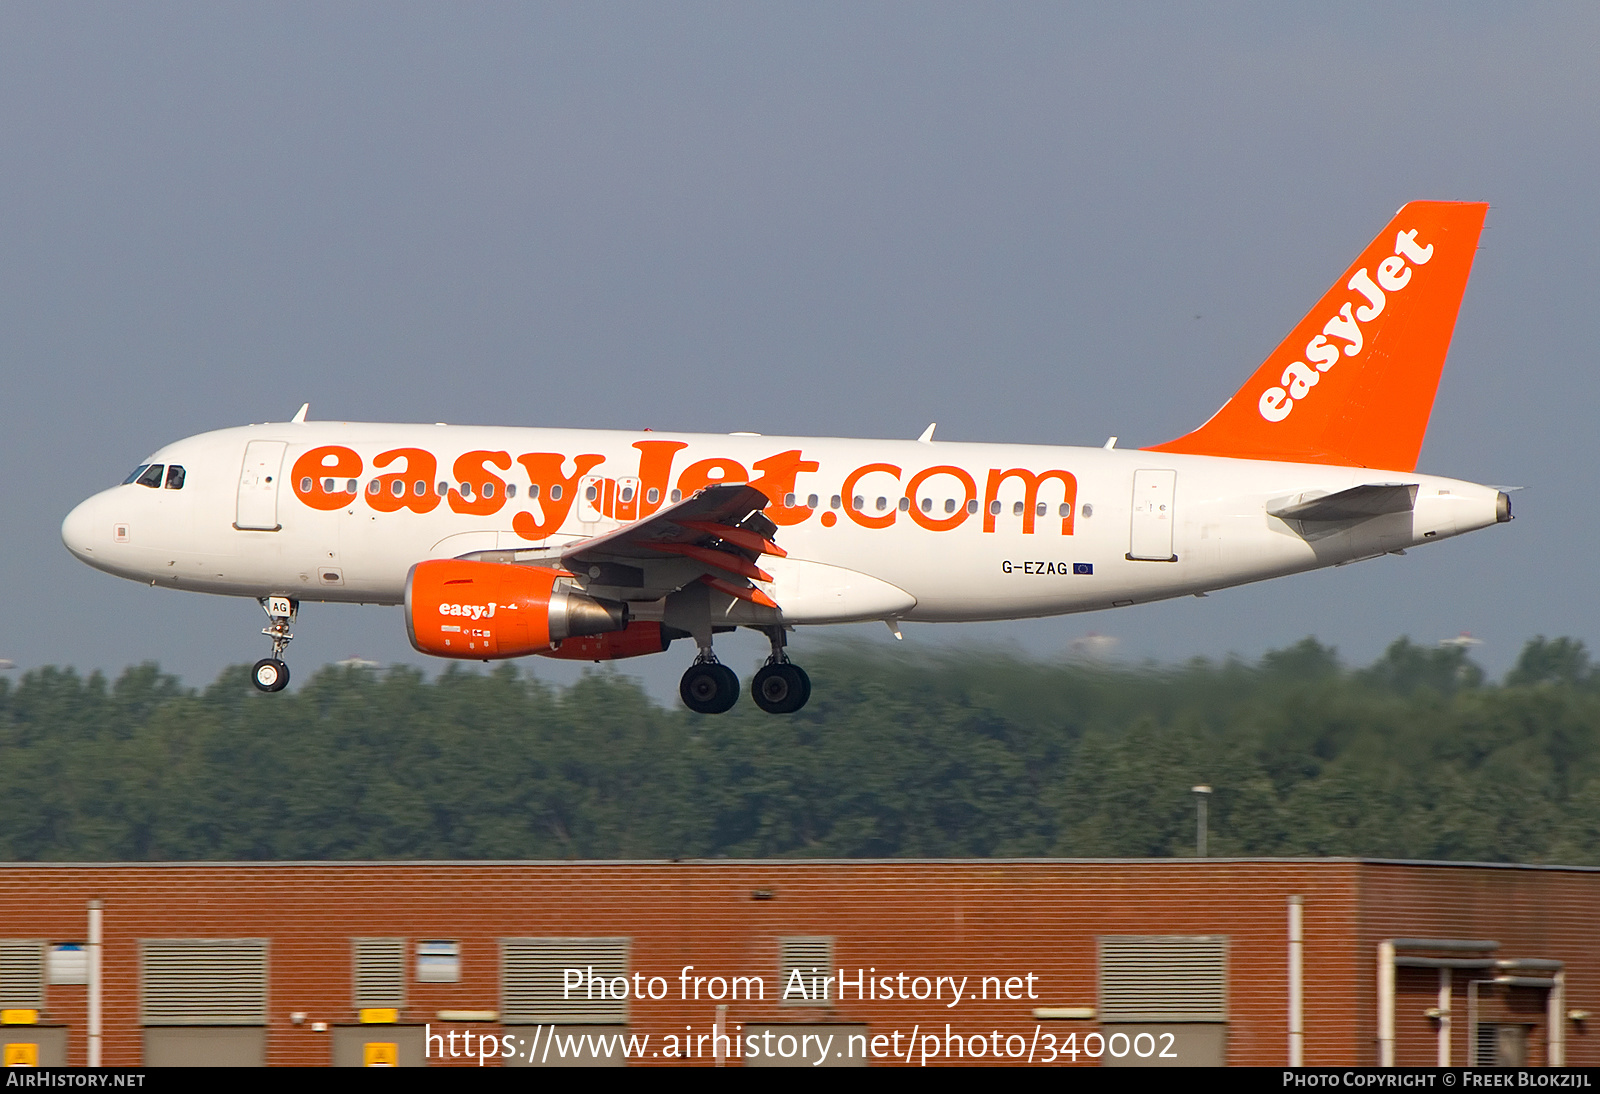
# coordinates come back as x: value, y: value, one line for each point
x: 485, y: 610
x: 640, y: 638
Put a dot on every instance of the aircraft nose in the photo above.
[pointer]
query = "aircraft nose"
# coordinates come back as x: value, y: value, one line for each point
x: 82, y: 531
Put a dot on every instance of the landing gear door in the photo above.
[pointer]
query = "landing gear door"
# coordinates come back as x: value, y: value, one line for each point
x: 1151, y: 538
x: 258, y: 486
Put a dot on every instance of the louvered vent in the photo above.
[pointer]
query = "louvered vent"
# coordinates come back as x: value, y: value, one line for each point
x: 804, y: 964
x: 380, y: 972
x: 1164, y: 978
x: 203, y: 982
x: 21, y: 974
x: 533, y: 972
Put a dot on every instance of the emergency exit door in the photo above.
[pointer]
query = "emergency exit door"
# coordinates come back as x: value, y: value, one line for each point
x: 1151, y: 538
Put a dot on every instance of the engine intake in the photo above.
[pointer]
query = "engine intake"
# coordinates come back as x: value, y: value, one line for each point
x: 487, y: 610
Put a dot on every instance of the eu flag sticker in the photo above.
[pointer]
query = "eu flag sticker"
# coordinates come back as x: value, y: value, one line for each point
x: 1083, y: 567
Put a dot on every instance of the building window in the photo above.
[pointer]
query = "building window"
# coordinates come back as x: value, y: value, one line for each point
x: 69, y: 963
x: 379, y: 973
x: 1501, y: 1044
x: 805, y: 964
x: 573, y: 981
x: 438, y: 962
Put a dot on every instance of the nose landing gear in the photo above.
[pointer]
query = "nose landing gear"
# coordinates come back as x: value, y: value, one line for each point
x: 270, y: 673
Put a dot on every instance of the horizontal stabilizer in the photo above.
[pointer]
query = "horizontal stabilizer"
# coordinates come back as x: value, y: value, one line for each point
x: 1357, y: 503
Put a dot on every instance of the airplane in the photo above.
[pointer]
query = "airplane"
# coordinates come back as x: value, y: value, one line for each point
x: 597, y: 545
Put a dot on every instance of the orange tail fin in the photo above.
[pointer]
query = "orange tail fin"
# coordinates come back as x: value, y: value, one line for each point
x: 1354, y: 382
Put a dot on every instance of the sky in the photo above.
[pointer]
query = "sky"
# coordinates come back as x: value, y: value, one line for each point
x: 1040, y: 223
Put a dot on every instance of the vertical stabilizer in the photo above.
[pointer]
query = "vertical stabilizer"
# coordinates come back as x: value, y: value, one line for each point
x: 1354, y: 382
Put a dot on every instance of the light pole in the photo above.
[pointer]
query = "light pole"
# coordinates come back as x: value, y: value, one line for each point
x: 1201, y: 793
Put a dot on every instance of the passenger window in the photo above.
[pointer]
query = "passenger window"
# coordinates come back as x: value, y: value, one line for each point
x: 351, y: 487
x: 905, y: 505
x: 835, y: 502
x: 627, y: 493
x: 1041, y: 509
x: 511, y: 489
x: 442, y: 489
x: 419, y: 488
x: 927, y: 505
x: 949, y: 505
x: 466, y: 489
x: 788, y: 501
x: 488, y: 489
x: 677, y: 495
x: 555, y: 493
x: 591, y: 493
x: 175, y: 477
x: 994, y: 508
x: 1088, y: 510
x: 811, y: 501
x: 651, y: 495
x: 859, y: 502
x: 533, y: 492
x: 374, y: 487
x: 398, y: 489
x: 1016, y: 510
x: 1066, y: 511
x: 972, y: 506
x: 151, y: 476
x: 133, y: 476
x: 305, y: 485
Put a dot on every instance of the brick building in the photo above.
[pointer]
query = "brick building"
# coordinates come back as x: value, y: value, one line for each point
x: 1108, y: 961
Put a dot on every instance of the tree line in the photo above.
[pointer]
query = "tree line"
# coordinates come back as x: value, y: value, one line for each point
x: 934, y: 755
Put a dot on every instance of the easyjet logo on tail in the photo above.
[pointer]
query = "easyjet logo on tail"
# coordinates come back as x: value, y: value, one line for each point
x: 1299, y: 377
x: 1380, y: 333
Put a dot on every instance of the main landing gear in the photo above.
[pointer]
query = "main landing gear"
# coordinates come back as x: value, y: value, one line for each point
x: 780, y: 687
x: 709, y: 687
x: 270, y: 673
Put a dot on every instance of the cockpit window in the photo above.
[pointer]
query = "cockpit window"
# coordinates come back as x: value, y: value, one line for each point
x: 133, y: 475
x: 151, y: 476
x: 175, y: 476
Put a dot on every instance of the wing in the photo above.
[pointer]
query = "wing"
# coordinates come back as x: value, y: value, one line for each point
x: 716, y: 536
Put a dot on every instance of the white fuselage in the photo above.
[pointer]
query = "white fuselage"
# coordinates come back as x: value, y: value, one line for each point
x: 950, y: 543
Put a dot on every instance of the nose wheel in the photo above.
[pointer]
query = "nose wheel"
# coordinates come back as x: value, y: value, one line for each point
x: 270, y: 673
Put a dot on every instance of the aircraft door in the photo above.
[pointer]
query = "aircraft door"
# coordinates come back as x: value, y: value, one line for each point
x: 1151, y: 538
x: 627, y: 499
x: 591, y: 498
x: 258, y: 486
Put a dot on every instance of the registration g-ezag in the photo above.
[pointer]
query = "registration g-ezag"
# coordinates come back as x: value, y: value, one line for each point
x: 594, y: 545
